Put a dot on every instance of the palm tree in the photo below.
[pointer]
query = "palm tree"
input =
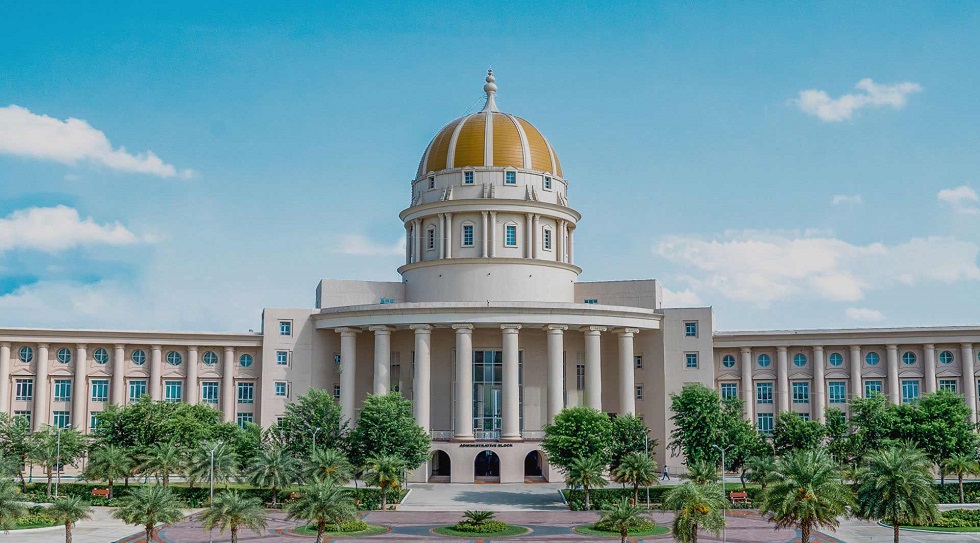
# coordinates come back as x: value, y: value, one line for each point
x: 807, y: 493
x: 225, y: 463
x: 587, y: 473
x: 623, y: 517
x: 108, y: 463
x: 232, y: 510
x: 478, y: 517
x: 896, y: 487
x: 760, y: 469
x: 9, y: 465
x: 698, y: 507
x: 702, y: 473
x: 274, y: 468
x: 384, y: 471
x: 11, y: 507
x: 163, y: 460
x: 322, y: 504
x: 636, y: 469
x: 330, y: 466
x: 148, y: 506
x: 69, y: 510
x: 961, y: 465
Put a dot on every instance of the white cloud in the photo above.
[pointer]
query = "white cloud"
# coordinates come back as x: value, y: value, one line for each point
x: 52, y: 229
x: 847, y: 199
x: 764, y: 267
x: 681, y: 298
x: 71, y: 141
x: 963, y: 199
x: 864, y: 314
x: 819, y: 104
x: 360, y: 245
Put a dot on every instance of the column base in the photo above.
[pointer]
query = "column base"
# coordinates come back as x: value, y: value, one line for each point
x: 512, y: 438
x: 462, y: 438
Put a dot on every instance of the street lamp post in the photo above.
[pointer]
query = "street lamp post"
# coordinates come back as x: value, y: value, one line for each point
x: 724, y: 508
x: 315, y: 432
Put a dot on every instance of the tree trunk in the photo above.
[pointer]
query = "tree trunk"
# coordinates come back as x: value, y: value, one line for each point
x: 588, y: 505
x: 942, y: 475
x: 384, y: 501
x: 895, y: 531
x: 149, y: 533
x: 110, y: 489
x: 166, y: 479
x: 805, y: 533
x: 275, y: 496
x: 742, y: 478
x: 636, y: 493
x: 960, y: 478
x: 234, y: 534
x: 622, y: 535
x: 320, y: 528
x: 694, y: 534
x: 48, y: 470
x: 67, y: 531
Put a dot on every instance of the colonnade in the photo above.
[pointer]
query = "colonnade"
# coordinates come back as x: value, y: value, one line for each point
x: 562, y: 240
x: 510, y: 384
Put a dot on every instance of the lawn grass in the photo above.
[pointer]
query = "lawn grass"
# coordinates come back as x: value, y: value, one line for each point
x: 372, y: 529
x: 511, y: 530
x: 36, y: 525
x: 588, y: 530
x: 939, y: 528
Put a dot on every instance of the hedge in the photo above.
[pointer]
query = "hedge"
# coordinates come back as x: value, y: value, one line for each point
x: 598, y: 497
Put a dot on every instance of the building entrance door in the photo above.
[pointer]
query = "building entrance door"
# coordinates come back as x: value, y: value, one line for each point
x: 487, y: 467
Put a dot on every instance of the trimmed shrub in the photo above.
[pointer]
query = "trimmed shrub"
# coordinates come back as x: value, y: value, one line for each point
x: 611, y: 496
x: 349, y: 526
x: 606, y: 527
x: 485, y: 527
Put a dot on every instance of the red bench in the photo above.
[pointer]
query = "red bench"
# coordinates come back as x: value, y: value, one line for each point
x: 739, y: 497
x: 100, y: 492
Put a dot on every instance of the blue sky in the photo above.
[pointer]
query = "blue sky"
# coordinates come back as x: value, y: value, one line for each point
x: 285, y: 135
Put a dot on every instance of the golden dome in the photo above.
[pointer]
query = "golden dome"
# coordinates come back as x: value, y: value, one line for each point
x: 489, y: 138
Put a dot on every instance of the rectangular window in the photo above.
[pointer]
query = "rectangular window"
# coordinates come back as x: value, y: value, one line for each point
x: 510, y: 235
x: 93, y: 419
x: 763, y: 392
x: 804, y: 416
x: 336, y: 392
x: 547, y: 183
x: 510, y: 178
x: 24, y: 390
x: 246, y: 392
x: 467, y: 235
x: 547, y: 239
x: 137, y: 389
x: 639, y: 392
x: 244, y: 419
x: 691, y: 360
x: 579, y: 376
x: 872, y: 387
x: 729, y: 391
x: 949, y: 385
x: 25, y: 414
x: 468, y: 178
x: 285, y: 328
x: 282, y: 388
x: 432, y: 183
x: 638, y: 361
x: 62, y: 390
x: 430, y: 239
x: 61, y: 419
x: 387, y: 301
x: 837, y: 392
x: 100, y: 390
x: 691, y: 329
x: 764, y: 422
x: 209, y: 392
x: 282, y: 357
x: 395, y: 375
x: 910, y: 391
x: 173, y: 391
x: 801, y: 392
x: 592, y: 301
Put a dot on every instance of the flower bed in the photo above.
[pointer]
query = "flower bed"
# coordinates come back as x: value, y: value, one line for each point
x: 347, y: 529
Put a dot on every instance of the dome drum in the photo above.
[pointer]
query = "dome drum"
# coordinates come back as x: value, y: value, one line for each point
x: 490, y: 182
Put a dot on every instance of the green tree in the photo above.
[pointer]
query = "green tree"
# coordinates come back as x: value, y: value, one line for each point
x: 578, y: 432
x: 636, y: 469
x: 960, y: 466
x: 807, y: 493
x: 329, y: 466
x: 630, y: 435
x: 11, y: 506
x: 836, y: 430
x: 322, y: 505
x: 872, y: 421
x: 792, y: 433
x: 68, y: 510
x: 696, y: 507
x: 16, y: 441
x: 743, y: 440
x: 108, y: 463
x: 587, y: 472
x: 232, y: 511
x: 938, y: 424
x: 896, y: 487
x: 46, y: 449
x: 761, y: 470
x: 697, y: 424
x: 386, y: 426
x: 272, y: 467
x: 148, y: 506
x: 163, y: 460
x: 624, y: 517
x: 316, y: 411
x: 145, y: 423
x: 385, y: 472
x: 225, y: 463
x: 702, y: 473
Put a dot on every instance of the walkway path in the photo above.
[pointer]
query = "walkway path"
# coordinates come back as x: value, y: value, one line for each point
x: 100, y: 529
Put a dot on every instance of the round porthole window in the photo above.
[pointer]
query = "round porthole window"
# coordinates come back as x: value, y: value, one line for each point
x: 174, y: 358
x: 64, y: 355
x: 764, y: 360
x: 728, y: 361
x: 210, y: 358
x: 139, y: 357
x: 836, y: 359
x: 872, y: 359
x: 245, y: 360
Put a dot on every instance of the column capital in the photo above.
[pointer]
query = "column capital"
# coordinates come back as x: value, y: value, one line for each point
x: 77, y: 345
x: 745, y: 350
x: 493, y: 214
x: 421, y: 328
x: 818, y: 348
x: 966, y: 345
x: 229, y: 349
x: 380, y: 329
x: 484, y: 213
x: 5, y: 344
x: 626, y: 331
x: 463, y: 328
x: 192, y: 348
x: 448, y: 215
x: 929, y: 346
x: 45, y: 346
x: 593, y: 329
x: 347, y: 330
x: 891, y: 347
x: 782, y: 349
x: 156, y: 347
x: 417, y: 221
x: 510, y: 328
x: 556, y: 328
x: 120, y: 345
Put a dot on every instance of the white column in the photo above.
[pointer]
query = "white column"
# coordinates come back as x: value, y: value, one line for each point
x: 118, y: 390
x: 382, y: 358
x: 571, y: 245
x: 556, y: 350
x: 627, y: 382
x: 5, y: 378
x: 449, y: 235
x: 408, y: 243
x: 510, y: 424
x: 782, y: 379
x: 493, y: 234
x: 560, y: 241
x: 348, y: 363
x: 418, y: 240
x: 593, y: 367
x: 891, y: 359
x: 441, y: 233
x: 41, y: 391
x: 748, y: 390
x: 969, y: 379
x: 421, y: 393
x: 191, y: 389
x: 857, y: 387
x: 930, y: 364
x: 228, y: 388
x: 483, y: 247
x: 156, y: 369
x: 819, y: 385
x: 528, y: 235
x: 80, y: 394
x: 463, y: 418
x: 536, y: 236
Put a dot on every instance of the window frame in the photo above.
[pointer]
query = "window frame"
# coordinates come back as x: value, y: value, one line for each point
x: 138, y: 357
x: 948, y: 385
x: 25, y: 354
x: 240, y: 388
x: 65, y: 419
x: 769, y: 388
x: 99, y: 385
x: 762, y: 357
x: 246, y: 357
x: 909, y: 358
x: 547, y: 238
x: 799, y: 360
x: 467, y: 225
x: 430, y: 238
x: 878, y: 386
x: 691, y: 361
x: 510, y: 228
x: 169, y: 386
x: 872, y: 356
x: 839, y: 358
x: 61, y: 390
x: 728, y: 390
x: 286, y: 327
x: 547, y: 183
x: 101, y: 356
x: 432, y: 183
x: 282, y: 358
x: 64, y: 355
x: 769, y: 426
x: 638, y: 391
x: 800, y: 392
x: 638, y: 361
x: 137, y: 384
x: 22, y: 385
x: 468, y: 177
x: 174, y: 358
x: 210, y: 358
x: 834, y: 398
x: 285, y: 389
x: 510, y: 178
x: 909, y: 385
x: 690, y: 328
x: 728, y: 361
x: 947, y: 357
x: 207, y: 386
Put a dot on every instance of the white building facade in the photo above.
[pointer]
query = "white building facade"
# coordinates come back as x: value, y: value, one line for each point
x: 489, y: 333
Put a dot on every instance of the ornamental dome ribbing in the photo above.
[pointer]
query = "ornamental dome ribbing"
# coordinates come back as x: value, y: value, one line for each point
x: 489, y: 138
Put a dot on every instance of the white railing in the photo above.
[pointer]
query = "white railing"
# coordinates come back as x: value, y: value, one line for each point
x: 486, y: 434
x: 442, y: 434
x: 533, y: 435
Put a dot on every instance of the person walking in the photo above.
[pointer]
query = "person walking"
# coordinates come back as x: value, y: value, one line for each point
x: 666, y: 474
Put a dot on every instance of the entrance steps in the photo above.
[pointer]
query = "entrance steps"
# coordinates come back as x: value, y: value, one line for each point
x: 487, y: 497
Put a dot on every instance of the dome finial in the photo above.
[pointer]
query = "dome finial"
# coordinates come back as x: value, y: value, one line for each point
x: 491, y: 89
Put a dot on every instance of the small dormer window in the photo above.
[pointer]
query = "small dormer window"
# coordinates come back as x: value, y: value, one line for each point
x: 387, y: 300
x: 432, y: 182
x: 467, y: 178
x: 547, y: 183
x: 547, y: 239
x: 592, y: 301
x: 430, y: 238
x: 510, y: 178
